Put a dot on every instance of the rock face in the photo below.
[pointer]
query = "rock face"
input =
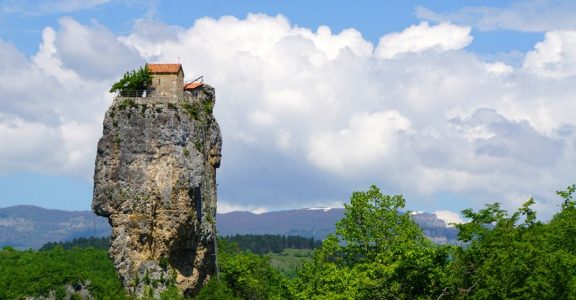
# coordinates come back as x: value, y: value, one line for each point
x: 155, y: 181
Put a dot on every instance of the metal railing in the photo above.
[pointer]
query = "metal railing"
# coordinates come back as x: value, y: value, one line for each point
x: 137, y: 93
x: 148, y: 94
x: 201, y: 79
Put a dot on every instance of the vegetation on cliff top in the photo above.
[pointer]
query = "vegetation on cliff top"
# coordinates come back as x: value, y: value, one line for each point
x: 133, y: 83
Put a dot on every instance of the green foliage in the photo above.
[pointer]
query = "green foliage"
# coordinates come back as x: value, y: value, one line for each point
x: 567, y: 196
x: 164, y: 262
x: 133, y: 83
x: 290, y: 260
x: 265, y: 243
x: 82, y: 242
x: 127, y: 103
x: 243, y: 275
x: 208, y: 107
x: 171, y: 293
x: 198, y: 146
x: 193, y: 109
x: 373, y: 225
x: 38, y: 273
x: 216, y: 289
x: 378, y: 253
x: 210, y: 219
x: 515, y: 256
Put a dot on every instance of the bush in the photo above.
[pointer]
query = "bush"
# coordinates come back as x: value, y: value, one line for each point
x: 133, y: 83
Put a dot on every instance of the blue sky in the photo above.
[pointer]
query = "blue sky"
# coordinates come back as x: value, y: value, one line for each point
x: 453, y: 104
x: 23, y: 24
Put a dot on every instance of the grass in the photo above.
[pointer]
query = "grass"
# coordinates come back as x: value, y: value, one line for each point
x: 289, y: 260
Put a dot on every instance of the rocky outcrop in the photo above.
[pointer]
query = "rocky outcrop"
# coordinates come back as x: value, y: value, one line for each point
x: 155, y: 181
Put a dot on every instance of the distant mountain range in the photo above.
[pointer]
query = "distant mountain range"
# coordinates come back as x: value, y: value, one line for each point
x: 315, y: 222
x: 26, y: 226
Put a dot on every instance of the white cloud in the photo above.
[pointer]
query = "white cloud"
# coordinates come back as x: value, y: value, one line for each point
x: 521, y: 15
x: 498, y: 68
x: 284, y: 139
x: 28, y: 145
x: 421, y: 37
x: 226, y: 207
x: 261, y: 118
x: 52, y: 107
x: 369, y: 139
x: 449, y: 217
x: 555, y: 56
x: 93, y: 51
x: 309, y: 116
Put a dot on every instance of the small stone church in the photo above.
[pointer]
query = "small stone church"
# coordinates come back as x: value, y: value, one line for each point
x: 168, y: 80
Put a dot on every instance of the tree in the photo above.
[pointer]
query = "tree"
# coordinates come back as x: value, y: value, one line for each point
x: 372, y: 225
x: 377, y: 253
x: 516, y: 256
x: 133, y: 83
x: 243, y: 275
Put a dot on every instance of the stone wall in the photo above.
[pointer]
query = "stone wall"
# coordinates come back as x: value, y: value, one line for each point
x: 168, y: 84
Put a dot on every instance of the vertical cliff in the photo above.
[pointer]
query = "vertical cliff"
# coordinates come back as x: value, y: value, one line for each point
x: 155, y: 181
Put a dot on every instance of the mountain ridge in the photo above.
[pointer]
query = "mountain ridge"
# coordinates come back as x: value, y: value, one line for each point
x: 29, y: 226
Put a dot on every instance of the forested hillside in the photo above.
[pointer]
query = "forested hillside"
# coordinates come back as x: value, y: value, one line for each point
x: 91, y: 242
x: 266, y: 243
x: 58, y: 272
x: 376, y: 253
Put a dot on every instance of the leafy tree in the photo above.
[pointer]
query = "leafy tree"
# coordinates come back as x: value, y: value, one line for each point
x: 372, y: 225
x: 243, y: 275
x: 133, y: 83
x: 516, y: 256
x: 377, y: 253
x: 561, y: 246
x: 501, y: 253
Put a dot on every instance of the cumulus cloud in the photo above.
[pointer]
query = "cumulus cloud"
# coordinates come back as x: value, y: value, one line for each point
x: 525, y: 15
x: 53, y: 103
x: 422, y: 37
x: 310, y: 115
x: 226, y: 207
x: 555, y: 56
x: 449, y: 217
x: 369, y: 139
x: 93, y: 51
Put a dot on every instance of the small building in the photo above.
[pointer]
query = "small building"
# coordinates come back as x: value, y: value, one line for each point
x: 167, y: 79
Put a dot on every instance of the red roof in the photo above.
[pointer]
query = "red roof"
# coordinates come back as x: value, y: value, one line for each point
x: 193, y: 85
x: 164, y: 68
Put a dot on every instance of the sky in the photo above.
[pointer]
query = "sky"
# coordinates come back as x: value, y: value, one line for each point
x: 454, y: 104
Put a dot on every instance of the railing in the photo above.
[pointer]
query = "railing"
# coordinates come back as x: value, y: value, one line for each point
x: 148, y: 96
x: 137, y: 93
x: 201, y: 78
